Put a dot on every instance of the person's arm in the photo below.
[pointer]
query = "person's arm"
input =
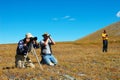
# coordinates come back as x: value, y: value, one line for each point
x: 52, y: 41
x: 103, y: 35
x: 22, y: 47
x: 46, y: 41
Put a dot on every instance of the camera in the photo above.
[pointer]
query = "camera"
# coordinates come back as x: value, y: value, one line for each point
x: 33, y: 38
x: 46, y: 34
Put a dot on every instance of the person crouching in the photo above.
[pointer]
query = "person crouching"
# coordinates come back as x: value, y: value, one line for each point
x: 24, y: 47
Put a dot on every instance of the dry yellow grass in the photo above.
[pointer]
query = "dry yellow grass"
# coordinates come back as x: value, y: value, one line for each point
x: 80, y: 61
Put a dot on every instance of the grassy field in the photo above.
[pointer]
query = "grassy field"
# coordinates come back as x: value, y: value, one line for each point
x: 75, y: 62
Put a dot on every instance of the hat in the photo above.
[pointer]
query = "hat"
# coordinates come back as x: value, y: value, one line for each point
x: 28, y: 35
x: 45, y: 34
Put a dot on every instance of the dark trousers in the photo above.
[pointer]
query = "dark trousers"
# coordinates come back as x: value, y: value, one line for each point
x: 105, y: 45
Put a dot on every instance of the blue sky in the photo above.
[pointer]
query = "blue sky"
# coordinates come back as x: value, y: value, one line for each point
x: 65, y: 20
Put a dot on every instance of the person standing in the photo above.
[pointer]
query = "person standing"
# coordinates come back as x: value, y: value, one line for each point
x: 46, y: 50
x: 105, y: 41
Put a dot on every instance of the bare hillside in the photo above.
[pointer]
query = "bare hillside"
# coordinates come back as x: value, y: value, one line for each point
x: 113, y: 32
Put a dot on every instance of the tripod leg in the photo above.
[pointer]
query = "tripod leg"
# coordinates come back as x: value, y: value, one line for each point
x: 37, y: 59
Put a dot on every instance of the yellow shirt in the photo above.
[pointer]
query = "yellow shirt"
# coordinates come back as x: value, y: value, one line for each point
x: 104, y: 36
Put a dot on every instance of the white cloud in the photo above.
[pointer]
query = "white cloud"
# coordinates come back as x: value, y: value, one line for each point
x: 72, y: 19
x: 118, y: 14
x: 66, y: 17
x: 55, y: 19
x: 69, y: 18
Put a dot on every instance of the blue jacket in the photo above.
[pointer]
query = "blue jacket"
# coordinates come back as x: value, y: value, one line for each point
x: 21, y: 49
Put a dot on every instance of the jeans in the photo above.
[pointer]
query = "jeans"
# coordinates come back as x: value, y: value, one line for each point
x: 105, y: 45
x: 48, y: 58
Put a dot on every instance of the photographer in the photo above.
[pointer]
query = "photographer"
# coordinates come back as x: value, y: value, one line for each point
x: 46, y: 51
x: 24, y: 47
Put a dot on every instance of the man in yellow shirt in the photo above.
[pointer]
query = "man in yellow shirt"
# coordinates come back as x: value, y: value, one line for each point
x: 105, y: 41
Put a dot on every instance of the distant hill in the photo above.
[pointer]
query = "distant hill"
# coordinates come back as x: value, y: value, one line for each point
x: 113, y: 32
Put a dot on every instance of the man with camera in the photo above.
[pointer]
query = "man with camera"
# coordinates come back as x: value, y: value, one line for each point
x: 24, y: 47
x: 46, y: 51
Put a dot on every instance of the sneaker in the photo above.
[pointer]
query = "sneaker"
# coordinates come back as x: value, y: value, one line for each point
x: 51, y: 64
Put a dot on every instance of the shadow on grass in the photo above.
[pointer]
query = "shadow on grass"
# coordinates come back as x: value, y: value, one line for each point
x: 8, y: 67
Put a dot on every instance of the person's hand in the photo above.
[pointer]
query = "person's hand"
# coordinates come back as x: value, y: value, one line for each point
x: 25, y: 44
x: 49, y: 35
